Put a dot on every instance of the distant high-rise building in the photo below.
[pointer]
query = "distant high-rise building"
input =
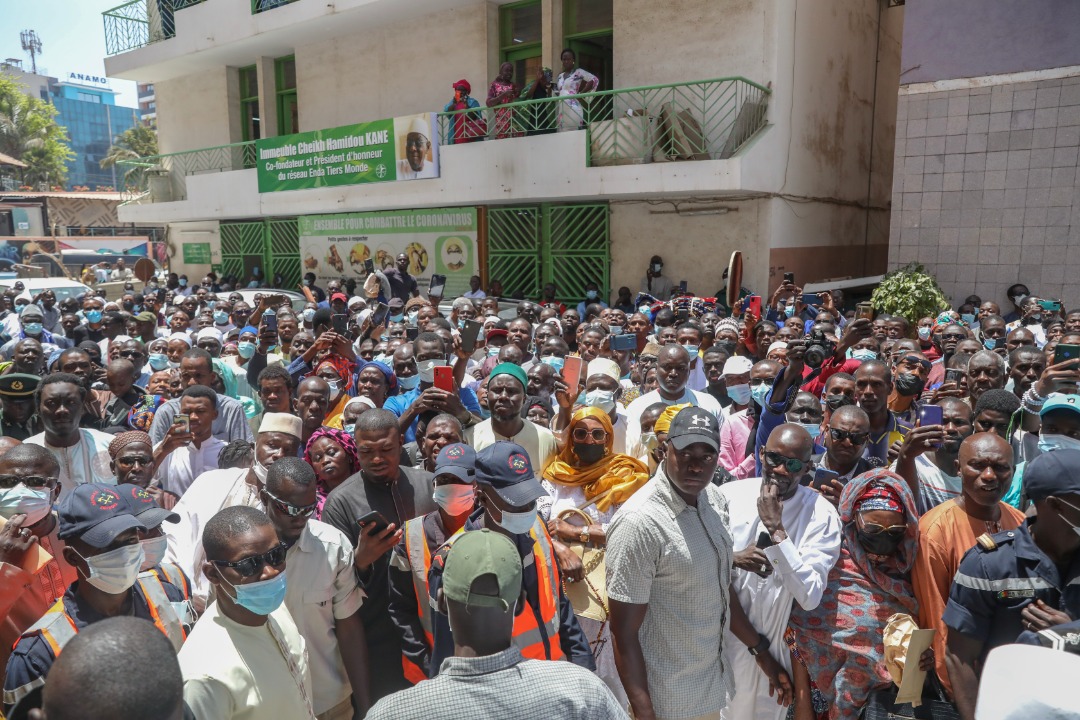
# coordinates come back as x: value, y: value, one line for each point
x: 147, y: 103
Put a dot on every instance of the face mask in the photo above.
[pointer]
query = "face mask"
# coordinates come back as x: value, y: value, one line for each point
x: 739, y: 394
x: 397, y: 318
x: 616, y: 329
x: 990, y: 343
x: 19, y: 309
x: 183, y: 283
x: 924, y: 332
x: 835, y: 402
x: 130, y: 307
x: 246, y: 349
x: 789, y: 310
x: 1051, y: 442
x: 173, y: 365
x: 350, y: 428
x: 590, y: 294
x: 411, y: 317
x: 455, y: 499
x: 493, y: 351
x: 33, y: 328
x: 262, y: 597
x: 221, y: 317
x: 1033, y: 319
x: 657, y: 267
x: 589, y: 454
x: 648, y: 441
x: 93, y: 316
x: 384, y: 359
x: 33, y: 503
x: 968, y: 318
x: 115, y: 572
x: 813, y: 428
x: 410, y: 382
x: 425, y: 369
x: 334, y: 385
x: 908, y: 384
x: 153, y: 551
x: 644, y: 310
x: 307, y: 282
x: 863, y: 354
x: 309, y: 315
x: 691, y: 350
x: 1019, y: 300
x: 210, y: 304
x: 602, y: 399
x: 760, y: 392
x: 554, y: 361
x: 260, y: 471
x: 1075, y: 529
x: 518, y: 523
x: 878, y: 543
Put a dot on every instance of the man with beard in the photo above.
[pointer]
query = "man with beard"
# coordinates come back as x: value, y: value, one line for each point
x: 928, y: 455
x: 17, y: 399
x: 505, y: 396
x: 909, y: 378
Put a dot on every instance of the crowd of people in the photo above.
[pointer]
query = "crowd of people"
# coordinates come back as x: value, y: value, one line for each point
x: 391, y: 505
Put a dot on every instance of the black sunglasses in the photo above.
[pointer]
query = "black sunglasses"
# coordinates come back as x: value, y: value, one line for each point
x: 249, y: 566
x: 289, y: 509
x: 854, y: 437
x: 775, y: 460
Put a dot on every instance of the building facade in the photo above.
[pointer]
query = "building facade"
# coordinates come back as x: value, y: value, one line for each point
x: 147, y: 103
x: 764, y: 126
x: 986, y: 190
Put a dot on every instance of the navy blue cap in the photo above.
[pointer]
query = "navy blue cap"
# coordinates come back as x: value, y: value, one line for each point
x: 143, y: 506
x: 506, y: 469
x: 457, y: 459
x: 1053, y: 473
x: 96, y: 514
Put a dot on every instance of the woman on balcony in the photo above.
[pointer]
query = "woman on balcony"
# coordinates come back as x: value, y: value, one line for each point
x: 573, y: 81
x: 538, y: 118
x: 503, y: 91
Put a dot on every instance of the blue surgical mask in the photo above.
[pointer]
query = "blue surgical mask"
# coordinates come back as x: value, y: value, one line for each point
x: 19, y: 308
x: 924, y: 332
x: 210, y: 304
x: 410, y: 382
x: 350, y: 428
x: 35, y: 503
x: 691, y: 350
x: 989, y: 343
x: 33, y: 328
x: 159, y: 361
x: 590, y: 294
x: 968, y: 318
x: 384, y: 359
x: 739, y: 394
x: 397, y: 318
x: 863, y: 354
x: 309, y: 315
x: 813, y: 428
x: 93, y: 316
x: 246, y: 349
x: 517, y: 523
x: 493, y: 351
x: 262, y: 597
x: 221, y: 317
x: 1052, y: 442
x: 411, y: 317
x: 760, y: 393
x: 183, y: 282
x: 789, y: 309
x: 554, y: 361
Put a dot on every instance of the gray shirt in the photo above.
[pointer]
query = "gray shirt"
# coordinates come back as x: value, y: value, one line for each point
x: 230, y: 423
x: 505, y: 685
x: 677, y: 560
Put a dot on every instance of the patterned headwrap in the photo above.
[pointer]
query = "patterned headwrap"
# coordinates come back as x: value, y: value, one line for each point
x: 141, y: 414
x: 879, y: 496
x: 343, y: 367
x: 124, y: 439
x: 347, y: 443
x: 391, y: 378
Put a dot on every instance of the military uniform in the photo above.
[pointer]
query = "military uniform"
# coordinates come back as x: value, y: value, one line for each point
x: 998, y: 578
x: 1065, y: 637
x: 16, y: 388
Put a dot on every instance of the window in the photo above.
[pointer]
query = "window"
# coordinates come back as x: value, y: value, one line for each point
x: 520, y: 27
x: 90, y: 97
x: 249, y: 103
x: 587, y: 27
x: 587, y: 17
x: 288, y: 111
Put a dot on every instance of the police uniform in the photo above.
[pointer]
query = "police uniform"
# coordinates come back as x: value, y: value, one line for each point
x: 1064, y: 637
x: 19, y: 387
x: 998, y: 578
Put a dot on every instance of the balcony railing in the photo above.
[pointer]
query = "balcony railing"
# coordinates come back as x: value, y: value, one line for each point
x: 706, y: 119
x: 141, y: 22
x: 163, y: 178
x: 258, y: 6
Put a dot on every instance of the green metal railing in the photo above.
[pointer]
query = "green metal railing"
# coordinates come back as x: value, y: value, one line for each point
x: 258, y: 6
x: 164, y: 177
x: 141, y: 22
x: 705, y: 119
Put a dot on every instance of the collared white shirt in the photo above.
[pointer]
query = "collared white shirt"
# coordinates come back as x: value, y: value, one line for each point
x: 87, y: 461
x: 180, y: 467
x: 322, y: 589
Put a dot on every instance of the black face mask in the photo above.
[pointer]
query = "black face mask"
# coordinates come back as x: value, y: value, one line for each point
x: 908, y: 384
x: 878, y: 543
x: 835, y: 402
x: 589, y: 454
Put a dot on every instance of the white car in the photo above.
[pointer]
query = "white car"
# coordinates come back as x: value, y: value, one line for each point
x: 297, y: 300
x: 62, y: 287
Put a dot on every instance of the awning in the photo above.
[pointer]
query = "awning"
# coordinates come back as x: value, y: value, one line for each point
x: 8, y: 160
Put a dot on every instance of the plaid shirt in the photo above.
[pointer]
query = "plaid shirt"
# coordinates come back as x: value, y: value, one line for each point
x: 505, y: 685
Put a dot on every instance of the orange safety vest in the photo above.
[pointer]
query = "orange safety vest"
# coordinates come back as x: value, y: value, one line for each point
x: 419, y: 556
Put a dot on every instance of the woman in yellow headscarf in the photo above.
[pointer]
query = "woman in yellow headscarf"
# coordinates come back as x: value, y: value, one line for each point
x: 587, y: 476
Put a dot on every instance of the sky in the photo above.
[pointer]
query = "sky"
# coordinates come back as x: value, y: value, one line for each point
x: 72, y: 37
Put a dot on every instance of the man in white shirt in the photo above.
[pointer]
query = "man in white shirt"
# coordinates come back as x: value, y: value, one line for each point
x: 655, y: 283
x: 804, y: 543
x: 417, y: 146
x: 245, y: 658
x: 506, y: 394
x: 323, y: 594
x: 197, y: 368
x: 474, y: 293
x: 672, y: 373
x: 279, y: 436
x: 186, y: 453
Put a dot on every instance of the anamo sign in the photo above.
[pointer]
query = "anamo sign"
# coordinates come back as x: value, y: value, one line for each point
x: 87, y: 79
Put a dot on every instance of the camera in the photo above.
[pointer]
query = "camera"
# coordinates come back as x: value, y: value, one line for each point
x: 818, y: 348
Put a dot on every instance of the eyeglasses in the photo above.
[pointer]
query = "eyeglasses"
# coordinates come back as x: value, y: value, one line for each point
x: 954, y: 336
x: 249, y: 566
x: 289, y: 509
x: 34, y: 481
x: 582, y: 434
x: 896, y: 531
x: 854, y: 437
x: 775, y: 460
x: 130, y: 354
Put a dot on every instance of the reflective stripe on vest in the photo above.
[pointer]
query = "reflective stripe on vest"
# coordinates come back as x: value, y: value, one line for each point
x: 419, y: 555
x: 175, y: 577
x: 57, y: 629
x: 161, y: 609
x: 527, y: 634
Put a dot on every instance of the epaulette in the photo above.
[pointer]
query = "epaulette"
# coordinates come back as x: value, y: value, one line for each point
x: 986, y: 542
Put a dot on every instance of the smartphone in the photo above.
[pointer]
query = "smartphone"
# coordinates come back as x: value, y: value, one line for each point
x: 823, y: 477
x: 444, y: 378
x: 571, y: 373
x: 682, y: 287
x: 378, y: 315
x: 624, y: 342
x: 341, y: 324
x: 183, y: 422
x: 269, y: 319
x: 810, y: 299
x: 864, y: 310
x: 930, y: 415
x: 376, y: 517
x: 436, y: 285
x: 789, y: 278
x: 1062, y: 353
x: 411, y: 333
x: 469, y: 333
x: 954, y: 375
x: 764, y: 540
x: 753, y: 305
x: 369, y: 266
x: 1051, y: 305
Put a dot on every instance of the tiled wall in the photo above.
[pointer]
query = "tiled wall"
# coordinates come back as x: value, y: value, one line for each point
x: 986, y: 188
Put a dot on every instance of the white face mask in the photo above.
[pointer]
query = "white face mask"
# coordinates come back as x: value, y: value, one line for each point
x: 1050, y: 442
x: 115, y: 572
x: 454, y: 498
x: 260, y: 471
x: 154, y: 550
x: 518, y: 523
x: 601, y: 399
x: 648, y: 441
x: 1074, y: 527
x: 32, y: 502
x: 426, y: 369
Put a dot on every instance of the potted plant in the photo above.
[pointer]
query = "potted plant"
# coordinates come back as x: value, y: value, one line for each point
x: 911, y: 293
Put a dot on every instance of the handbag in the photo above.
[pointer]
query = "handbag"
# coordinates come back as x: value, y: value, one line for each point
x: 588, y: 597
x: 881, y: 705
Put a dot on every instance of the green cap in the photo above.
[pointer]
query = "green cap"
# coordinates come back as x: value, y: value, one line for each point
x: 15, y: 385
x: 475, y: 554
x: 511, y: 369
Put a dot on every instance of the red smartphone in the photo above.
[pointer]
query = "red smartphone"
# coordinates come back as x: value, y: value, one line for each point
x: 444, y: 378
x: 571, y: 373
x: 753, y: 305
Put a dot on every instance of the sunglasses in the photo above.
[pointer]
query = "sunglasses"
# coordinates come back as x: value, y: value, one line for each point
x: 582, y: 434
x: 952, y: 336
x: 249, y: 566
x: 854, y: 437
x: 775, y: 460
x: 31, y: 481
x: 896, y: 531
x: 289, y: 509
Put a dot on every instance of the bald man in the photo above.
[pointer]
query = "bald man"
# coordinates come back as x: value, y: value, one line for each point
x: 804, y: 530
x: 985, y: 465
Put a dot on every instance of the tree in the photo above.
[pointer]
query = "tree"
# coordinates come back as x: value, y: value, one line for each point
x: 131, y: 146
x: 911, y: 293
x: 28, y: 132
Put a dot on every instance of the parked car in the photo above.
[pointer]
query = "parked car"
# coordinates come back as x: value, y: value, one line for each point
x: 61, y: 287
x: 297, y: 300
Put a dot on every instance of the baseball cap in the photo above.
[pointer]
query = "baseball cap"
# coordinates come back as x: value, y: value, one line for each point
x: 478, y: 553
x: 396, y: 304
x: 457, y: 459
x: 339, y: 296
x: 737, y: 365
x: 506, y: 469
x: 1053, y: 473
x: 1060, y: 401
x: 96, y: 514
x: 143, y: 506
x: 146, y: 316
x: 694, y: 425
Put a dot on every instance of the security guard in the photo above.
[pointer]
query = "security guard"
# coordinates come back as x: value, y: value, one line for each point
x: 18, y: 421
x: 1023, y: 579
x: 1065, y: 637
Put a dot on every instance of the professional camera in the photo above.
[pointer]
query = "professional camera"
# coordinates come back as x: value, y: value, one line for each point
x: 818, y: 348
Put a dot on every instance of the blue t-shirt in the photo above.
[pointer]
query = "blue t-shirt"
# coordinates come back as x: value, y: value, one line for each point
x: 398, y: 404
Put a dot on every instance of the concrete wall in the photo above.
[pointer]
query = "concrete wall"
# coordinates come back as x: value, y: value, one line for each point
x: 972, y: 38
x: 193, y: 232
x: 196, y: 111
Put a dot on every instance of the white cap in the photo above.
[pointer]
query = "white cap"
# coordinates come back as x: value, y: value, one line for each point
x: 119, y: 339
x: 360, y: 400
x: 603, y: 366
x: 180, y: 336
x: 778, y: 345
x: 209, y: 332
x: 356, y: 301
x: 282, y: 423
x: 420, y: 125
x: 737, y: 365
x: 1014, y: 684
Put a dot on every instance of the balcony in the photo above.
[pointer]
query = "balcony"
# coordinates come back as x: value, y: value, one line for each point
x: 141, y: 22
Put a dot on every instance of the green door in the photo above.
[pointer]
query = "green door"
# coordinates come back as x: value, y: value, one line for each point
x: 270, y: 244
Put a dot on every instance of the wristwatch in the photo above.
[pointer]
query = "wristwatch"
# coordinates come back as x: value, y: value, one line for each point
x: 762, y: 646
x: 584, y: 535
